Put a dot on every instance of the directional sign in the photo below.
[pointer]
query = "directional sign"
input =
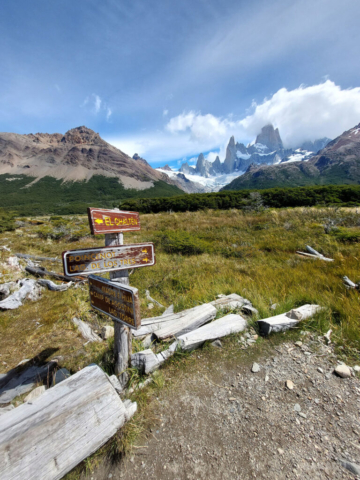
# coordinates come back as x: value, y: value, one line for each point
x: 118, y: 301
x: 107, y: 259
x: 112, y: 221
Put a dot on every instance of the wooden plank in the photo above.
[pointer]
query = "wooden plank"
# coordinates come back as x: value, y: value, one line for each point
x: 147, y: 361
x: 219, y: 328
x: 119, y: 301
x: 284, y: 321
x: 48, y: 437
x: 192, y: 320
x: 112, y: 221
x: 109, y: 258
x: 52, y: 286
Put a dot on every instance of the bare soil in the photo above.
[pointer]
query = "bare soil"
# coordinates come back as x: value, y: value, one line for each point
x: 222, y: 421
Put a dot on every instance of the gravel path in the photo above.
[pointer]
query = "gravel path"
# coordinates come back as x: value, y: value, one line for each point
x: 225, y: 422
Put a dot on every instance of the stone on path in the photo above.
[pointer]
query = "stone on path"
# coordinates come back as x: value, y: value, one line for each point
x: 255, y: 368
x: 343, y: 371
x: 216, y: 343
x: 357, y: 368
x: 297, y: 407
x: 352, y: 467
x: 289, y: 384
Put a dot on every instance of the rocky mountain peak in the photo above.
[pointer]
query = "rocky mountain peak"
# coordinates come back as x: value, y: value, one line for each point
x: 270, y: 137
x: 82, y: 135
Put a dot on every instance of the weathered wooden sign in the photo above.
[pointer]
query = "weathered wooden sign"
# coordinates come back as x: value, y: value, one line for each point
x: 118, y: 301
x: 107, y: 259
x: 112, y: 221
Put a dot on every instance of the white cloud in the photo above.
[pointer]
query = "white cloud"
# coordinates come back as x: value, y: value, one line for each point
x: 97, y: 102
x: 165, y: 112
x: 305, y: 113
x: 108, y: 113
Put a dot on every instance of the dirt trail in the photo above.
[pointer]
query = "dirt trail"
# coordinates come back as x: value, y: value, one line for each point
x: 225, y: 422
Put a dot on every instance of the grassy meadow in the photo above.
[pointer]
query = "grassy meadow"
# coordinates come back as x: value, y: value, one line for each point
x: 198, y: 256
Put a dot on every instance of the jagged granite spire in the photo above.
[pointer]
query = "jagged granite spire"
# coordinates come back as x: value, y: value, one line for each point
x: 270, y: 138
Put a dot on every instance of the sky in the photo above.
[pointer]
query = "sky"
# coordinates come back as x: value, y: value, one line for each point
x: 169, y: 80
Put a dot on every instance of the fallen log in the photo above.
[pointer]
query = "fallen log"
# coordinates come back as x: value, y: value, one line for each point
x: 42, y: 272
x: 219, y: 328
x: 17, y: 382
x: 152, y: 324
x: 313, y: 251
x: 195, y: 318
x: 348, y: 283
x: 34, y: 257
x: 86, y: 331
x: 5, y: 289
x: 315, y: 256
x: 284, y: 321
x: 147, y: 361
x: 67, y: 423
x: 147, y: 295
x: 28, y: 289
x: 52, y: 286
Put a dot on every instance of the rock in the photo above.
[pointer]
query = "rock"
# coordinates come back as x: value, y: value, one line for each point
x: 302, y: 415
x: 266, y: 378
x: 35, y: 393
x: 298, y: 344
x: 107, y: 332
x: 150, y: 306
x: 289, y: 384
x: 320, y: 370
x: 60, y: 375
x: 297, y: 407
x: 274, y: 306
x: 216, y: 343
x: 281, y: 451
x: 352, y: 467
x: 255, y: 368
x: 343, y: 371
x: 357, y: 368
x: 255, y: 337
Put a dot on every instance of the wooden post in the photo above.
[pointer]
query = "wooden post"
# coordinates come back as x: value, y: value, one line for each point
x: 122, y: 335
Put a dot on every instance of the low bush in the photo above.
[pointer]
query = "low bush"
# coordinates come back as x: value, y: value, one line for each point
x: 346, y: 235
x: 181, y: 242
x: 7, y: 222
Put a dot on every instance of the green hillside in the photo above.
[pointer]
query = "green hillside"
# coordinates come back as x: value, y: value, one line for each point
x: 52, y: 196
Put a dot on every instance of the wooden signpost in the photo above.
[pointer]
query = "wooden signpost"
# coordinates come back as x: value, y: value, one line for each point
x: 113, y: 297
x: 105, y: 259
x: 112, y: 221
x: 116, y: 300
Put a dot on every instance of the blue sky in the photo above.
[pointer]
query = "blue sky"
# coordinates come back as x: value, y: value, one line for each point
x: 170, y: 79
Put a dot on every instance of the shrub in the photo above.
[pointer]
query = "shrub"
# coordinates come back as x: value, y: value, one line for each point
x: 346, y: 235
x: 181, y: 242
x: 6, y: 221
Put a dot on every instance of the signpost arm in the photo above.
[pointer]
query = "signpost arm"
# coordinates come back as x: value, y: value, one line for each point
x: 122, y: 335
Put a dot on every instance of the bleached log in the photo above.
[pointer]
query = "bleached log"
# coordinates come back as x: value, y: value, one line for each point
x: 313, y: 251
x: 28, y: 289
x: 48, y: 437
x: 287, y: 320
x: 219, y: 328
x: 34, y: 257
x: 18, y: 381
x: 5, y: 289
x: 192, y: 320
x: 169, y: 310
x: 147, y: 295
x: 42, y: 272
x: 52, y: 286
x: 86, y: 331
x: 230, y: 302
x: 349, y: 283
x: 315, y: 256
x: 147, y: 361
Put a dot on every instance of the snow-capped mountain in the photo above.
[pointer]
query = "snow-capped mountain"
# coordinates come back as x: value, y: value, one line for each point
x: 267, y: 149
